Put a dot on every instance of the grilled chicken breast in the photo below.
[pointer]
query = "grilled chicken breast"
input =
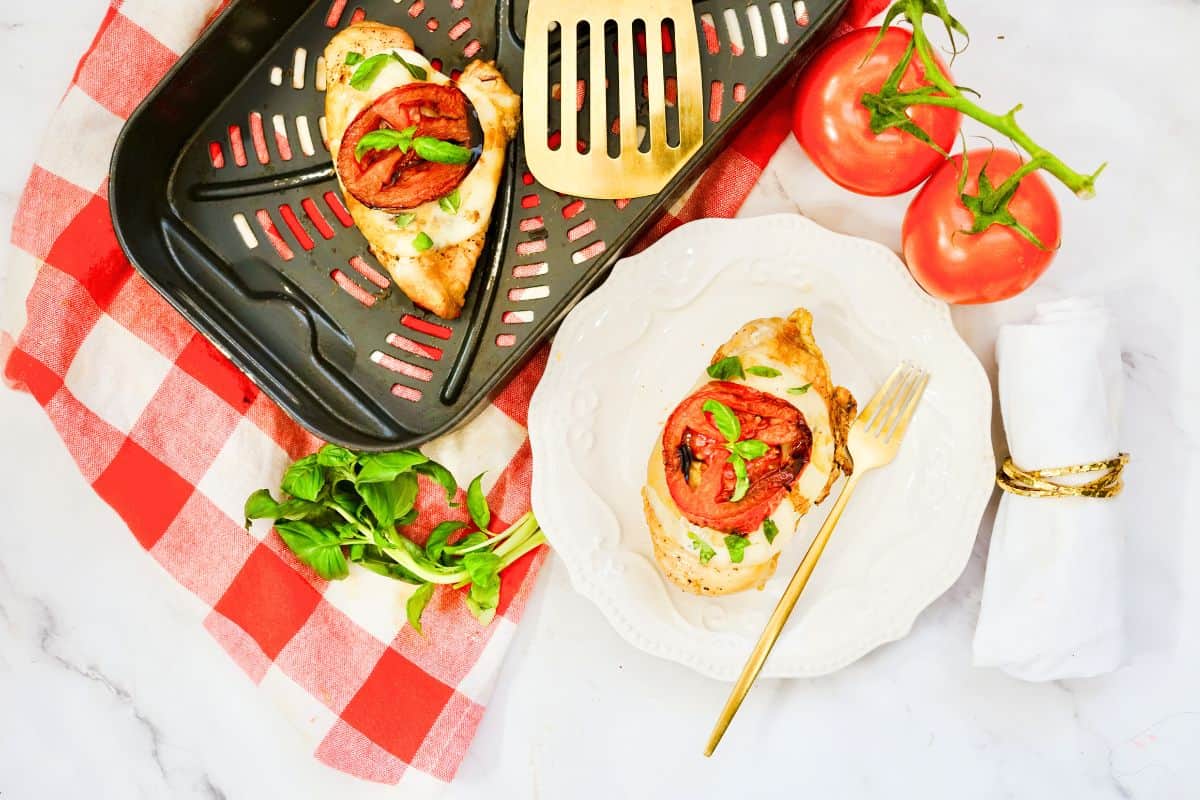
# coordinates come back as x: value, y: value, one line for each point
x: 436, y: 277
x: 781, y: 364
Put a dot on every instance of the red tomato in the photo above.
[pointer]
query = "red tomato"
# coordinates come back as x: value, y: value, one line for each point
x: 833, y: 126
x: 961, y: 267
x: 392, y: 180
x: 701, y: 479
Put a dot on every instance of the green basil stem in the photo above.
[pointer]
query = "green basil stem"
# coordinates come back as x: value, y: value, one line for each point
x: 532, y: 543
x: 524, y: 536
x: 436, y: 574
x: 1039, y: 157
x: 515, y: 541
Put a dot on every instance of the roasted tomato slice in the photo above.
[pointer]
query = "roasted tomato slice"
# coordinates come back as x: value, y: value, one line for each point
x: 393, y: 181
x: 699, y: 475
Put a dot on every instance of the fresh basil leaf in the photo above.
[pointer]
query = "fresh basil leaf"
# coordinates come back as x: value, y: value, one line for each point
x: 331, y: 455
x: 726, y: 368
x: 416, y: 605
x: 436, y: 542
x: 301, y: 509
x: 477, y: 505
x: 406, y: 488
x: 484, y: 596
x: 260, y: 505
x: 356, y: 550
x: 440, y: 151
x: 725, y: 420
x: 468, y: 544
x: 421, y: 242
x: 482, y: 604
x: 763, y: 372
x: 482, y: 567
x: 432, y: 469
x: 348, y: 500
x: 404, y: 219
x: 418, y: 73
x: 381, y: 499
x: 742, y: 485
x: 353, y: 58
x: 450, y: 203
x: 770, y: 530
x: 380, y: 467
x: 304, y: 478
x: 385, y: 139
x: 704, y: 548
x: 391, y: 501
x: 368, y: 70
x: 749, y: 449
x: 799, y: 389
x: 319, y: 548
x: 736, y: 545
x: 407, y: 519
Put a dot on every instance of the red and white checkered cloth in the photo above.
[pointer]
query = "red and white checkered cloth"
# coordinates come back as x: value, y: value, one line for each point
x: 174, y: 438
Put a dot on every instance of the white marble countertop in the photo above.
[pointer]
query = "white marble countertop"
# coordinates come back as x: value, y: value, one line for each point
x: 109, y: 689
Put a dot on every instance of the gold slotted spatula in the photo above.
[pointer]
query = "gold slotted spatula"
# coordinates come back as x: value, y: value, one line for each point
x: 632, y: 173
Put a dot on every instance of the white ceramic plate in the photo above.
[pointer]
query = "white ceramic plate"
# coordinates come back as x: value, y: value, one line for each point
x: 628, y: 353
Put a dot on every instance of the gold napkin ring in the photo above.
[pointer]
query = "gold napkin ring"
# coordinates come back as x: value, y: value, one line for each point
x: 1037, y: 483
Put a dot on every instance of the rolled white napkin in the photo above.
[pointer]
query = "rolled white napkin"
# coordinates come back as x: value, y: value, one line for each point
x: 1052, y: 597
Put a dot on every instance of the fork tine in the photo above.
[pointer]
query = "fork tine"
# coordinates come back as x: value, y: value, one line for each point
x: 896, y: 406
x: 889, y: 401
x: 897, y: 433
x: 873, y: 405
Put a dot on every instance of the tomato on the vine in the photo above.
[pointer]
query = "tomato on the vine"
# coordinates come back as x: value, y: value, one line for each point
x: 958, y: 266
x: 834, y: 127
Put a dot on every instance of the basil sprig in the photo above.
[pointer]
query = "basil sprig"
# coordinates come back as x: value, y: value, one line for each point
x: 770, y: 530
x: 385, y: 139
x: 369, y: 68
x: 427, y: 147
x: 342, y: 507
x: 740, y: 452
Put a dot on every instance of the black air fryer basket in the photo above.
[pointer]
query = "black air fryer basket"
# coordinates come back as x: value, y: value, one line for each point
x: 223, y: 197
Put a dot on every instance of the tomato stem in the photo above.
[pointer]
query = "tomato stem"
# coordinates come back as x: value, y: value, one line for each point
x: 890, y: 102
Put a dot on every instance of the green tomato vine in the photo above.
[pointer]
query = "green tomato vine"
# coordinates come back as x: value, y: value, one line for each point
x: 888, y: 110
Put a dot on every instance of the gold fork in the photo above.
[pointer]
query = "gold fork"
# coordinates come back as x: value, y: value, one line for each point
x: 874, y: 439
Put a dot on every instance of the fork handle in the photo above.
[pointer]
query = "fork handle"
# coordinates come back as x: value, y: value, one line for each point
x: 779, y: 616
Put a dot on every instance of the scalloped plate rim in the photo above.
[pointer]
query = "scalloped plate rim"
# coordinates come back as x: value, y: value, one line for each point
x: 780, y: 664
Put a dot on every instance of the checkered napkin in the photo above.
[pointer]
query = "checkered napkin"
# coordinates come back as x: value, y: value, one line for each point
x: 174, y: 437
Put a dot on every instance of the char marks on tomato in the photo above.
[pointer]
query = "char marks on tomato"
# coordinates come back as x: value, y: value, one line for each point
x: 391, y: 180
x: 703, y: 490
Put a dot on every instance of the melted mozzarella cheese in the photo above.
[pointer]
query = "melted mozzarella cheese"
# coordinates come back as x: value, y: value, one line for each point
x: 810, y: 483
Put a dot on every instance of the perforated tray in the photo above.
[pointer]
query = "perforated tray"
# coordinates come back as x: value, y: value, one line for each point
x: 223, y: 197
